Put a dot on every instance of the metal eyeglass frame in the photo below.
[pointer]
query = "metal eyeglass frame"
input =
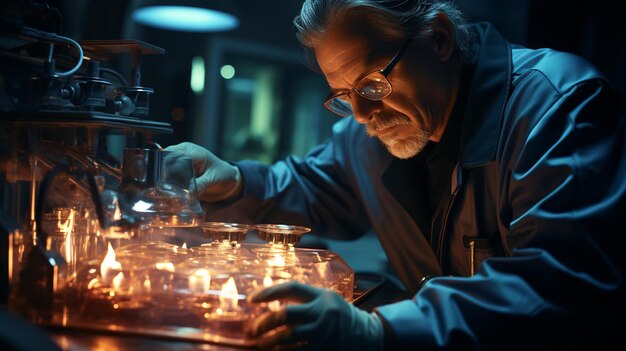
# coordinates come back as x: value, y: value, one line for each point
x: 384, y: 72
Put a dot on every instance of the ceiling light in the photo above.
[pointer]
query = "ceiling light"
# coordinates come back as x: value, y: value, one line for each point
x: 182, y: 17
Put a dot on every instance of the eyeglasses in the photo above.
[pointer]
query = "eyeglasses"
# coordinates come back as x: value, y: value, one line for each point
x: 374, y: 86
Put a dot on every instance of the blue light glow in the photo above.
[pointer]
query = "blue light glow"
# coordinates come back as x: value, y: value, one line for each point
x: 183, y: 18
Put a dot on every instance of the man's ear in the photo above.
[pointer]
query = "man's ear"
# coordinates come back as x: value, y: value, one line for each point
x: 443, y: 36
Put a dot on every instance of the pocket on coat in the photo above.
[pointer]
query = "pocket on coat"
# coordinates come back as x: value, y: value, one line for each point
x: 478, y: 249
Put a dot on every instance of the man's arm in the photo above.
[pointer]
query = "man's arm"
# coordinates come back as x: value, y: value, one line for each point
x: 312, y: 191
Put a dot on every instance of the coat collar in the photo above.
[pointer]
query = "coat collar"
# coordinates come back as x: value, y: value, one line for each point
x: 486, y: 98
x: 486, y: 101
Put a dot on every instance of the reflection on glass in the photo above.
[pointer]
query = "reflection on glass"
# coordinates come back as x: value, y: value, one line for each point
x: 161, y: 188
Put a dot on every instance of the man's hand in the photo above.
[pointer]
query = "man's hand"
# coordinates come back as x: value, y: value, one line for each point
x: 322, y: 320
x: 216, y: 179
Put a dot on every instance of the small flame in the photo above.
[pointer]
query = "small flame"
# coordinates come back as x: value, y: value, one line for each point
x: 176, y: 248
x: 165, y: 266
x: 117, y: 215
x: 200, y: 281
x: 147, y: 286
x: 117, y: 281
x: 228, y: 297
x: 109, y: 265
x: 93, y: 283
x: 278, y: 261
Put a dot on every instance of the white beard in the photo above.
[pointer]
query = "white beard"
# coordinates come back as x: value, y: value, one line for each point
x: 401, y: 147
x: 407, y: 147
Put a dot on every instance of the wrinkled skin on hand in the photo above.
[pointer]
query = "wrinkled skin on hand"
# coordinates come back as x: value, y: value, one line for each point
x: 216, y: 179
x: 320, y: 319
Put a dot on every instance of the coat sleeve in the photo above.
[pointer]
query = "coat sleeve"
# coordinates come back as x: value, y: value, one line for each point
x: 312, y: 191
x: 562, y: 202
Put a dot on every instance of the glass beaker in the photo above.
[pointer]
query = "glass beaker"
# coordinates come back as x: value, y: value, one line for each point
x: 161, y: 188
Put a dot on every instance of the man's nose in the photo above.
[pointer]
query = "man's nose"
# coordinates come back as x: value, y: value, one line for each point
x: 364, y: 109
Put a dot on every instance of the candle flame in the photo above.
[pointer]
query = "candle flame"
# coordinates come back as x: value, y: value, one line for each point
x: 200, y: 281
x: 117, y: 215
x: 109, y: 265
x: 92, y: 283
x: 117, y: 281
x: 176, y: 248
x: 228, y: 296
x: 165, y: 266
x: 278, y: 261
x: 147, y: 286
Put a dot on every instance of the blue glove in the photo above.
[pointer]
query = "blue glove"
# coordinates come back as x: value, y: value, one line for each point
x: 216, y: 179
x: 322, y: 321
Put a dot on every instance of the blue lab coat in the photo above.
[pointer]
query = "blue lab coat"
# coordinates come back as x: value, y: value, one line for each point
x: 534, y: 208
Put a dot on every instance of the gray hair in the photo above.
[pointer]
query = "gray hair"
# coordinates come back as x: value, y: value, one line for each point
x: 392, y: 18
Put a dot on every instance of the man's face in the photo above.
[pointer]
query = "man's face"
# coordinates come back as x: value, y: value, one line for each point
x: 423, y: 90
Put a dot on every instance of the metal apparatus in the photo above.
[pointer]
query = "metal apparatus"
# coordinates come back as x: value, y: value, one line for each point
x: 90, y: 203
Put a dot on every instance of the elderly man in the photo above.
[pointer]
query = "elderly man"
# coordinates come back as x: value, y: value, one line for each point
x: 494, y: 176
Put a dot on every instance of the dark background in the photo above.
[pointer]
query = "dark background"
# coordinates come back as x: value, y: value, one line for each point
x: 595, y: 30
